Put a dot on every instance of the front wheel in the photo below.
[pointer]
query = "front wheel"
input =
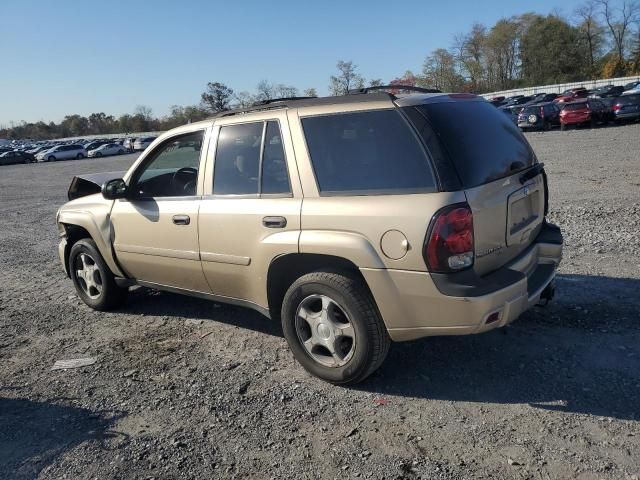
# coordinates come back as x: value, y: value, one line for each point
x: 51, y: 158
x: 94, y: 282
x: 80, y: 156
x: 333, y: 327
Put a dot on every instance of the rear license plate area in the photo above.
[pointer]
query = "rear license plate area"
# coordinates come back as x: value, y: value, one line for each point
x: 524, y: 214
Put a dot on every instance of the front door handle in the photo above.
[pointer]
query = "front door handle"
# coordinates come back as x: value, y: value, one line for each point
x: 181, y: 219
x: 274, y: 222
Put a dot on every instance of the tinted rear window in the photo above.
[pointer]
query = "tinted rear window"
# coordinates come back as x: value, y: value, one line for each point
x: 530, y: 110
x: 367, y: 152
x: 481, y: 142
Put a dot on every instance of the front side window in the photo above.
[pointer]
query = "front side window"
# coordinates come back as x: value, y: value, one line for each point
x: 171, y: 170
x: 367, y: 152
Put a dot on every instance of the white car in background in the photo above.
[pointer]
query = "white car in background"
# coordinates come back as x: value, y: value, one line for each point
x: 107, y: 149
x: 143, y: 142
x: 62, y: 152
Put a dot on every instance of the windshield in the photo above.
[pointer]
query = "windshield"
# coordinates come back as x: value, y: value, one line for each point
x: 483, y: 144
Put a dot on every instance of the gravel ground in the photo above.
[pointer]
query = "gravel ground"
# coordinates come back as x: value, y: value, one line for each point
x: 184, y: 388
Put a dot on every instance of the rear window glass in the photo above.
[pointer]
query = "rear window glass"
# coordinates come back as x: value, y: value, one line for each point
x: 575, y: 106
x: 530, y: 110
x: 482, y: 143
x: 367, y: 152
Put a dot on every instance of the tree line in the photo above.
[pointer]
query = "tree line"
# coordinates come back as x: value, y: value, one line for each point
x: 600, y: 39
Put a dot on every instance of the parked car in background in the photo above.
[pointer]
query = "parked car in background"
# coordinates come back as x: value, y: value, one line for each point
x: 633, y: 90
x: 521, y: 100
x: 572, y: 94
x: 107, y: 149
x: 15, y: 156
x: 626, y: 108
x: 607, y: 91
x: 584, y: 112
x: 542, y: 116
x: 62, y: 152
x: 631, y: 85
x: 142, y: 143
x: 94, y: 144
x: 512, y: 112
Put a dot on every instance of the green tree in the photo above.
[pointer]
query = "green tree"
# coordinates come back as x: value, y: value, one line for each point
x: 346, y: 79
x: 502, y: 54
x: 217, y: 97
x: 550, y: 52
x: 440, y: 71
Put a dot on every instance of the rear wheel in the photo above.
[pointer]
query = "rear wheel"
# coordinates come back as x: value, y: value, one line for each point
x: 79, y: 156
x: 98, y: 154
x: 94, y: 282
x: 51, y: 158
x: 333, y: 327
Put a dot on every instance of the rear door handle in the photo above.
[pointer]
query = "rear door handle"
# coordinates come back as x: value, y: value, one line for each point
x: 274, y: 222
x: 181, y: 219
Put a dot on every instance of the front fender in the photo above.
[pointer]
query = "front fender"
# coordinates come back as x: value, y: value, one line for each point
x: 96, y: 223
x: 351, y: 246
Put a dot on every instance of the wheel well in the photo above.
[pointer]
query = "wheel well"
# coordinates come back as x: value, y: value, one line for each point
x: 286, y: 269
x: 73, y: 233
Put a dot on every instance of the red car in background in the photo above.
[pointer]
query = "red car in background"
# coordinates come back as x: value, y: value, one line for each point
x: 589, y: 111
x: 572, y: 94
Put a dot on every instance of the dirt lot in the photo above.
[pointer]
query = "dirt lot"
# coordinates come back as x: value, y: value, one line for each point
x: 184, y: 388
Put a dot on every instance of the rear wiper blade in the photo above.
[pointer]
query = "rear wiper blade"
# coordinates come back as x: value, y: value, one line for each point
x: 534, y: 171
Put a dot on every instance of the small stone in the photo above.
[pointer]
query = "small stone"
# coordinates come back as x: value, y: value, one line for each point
x: 352, y: 432
x: 242, y: 389
x: 129, y: 373
x: 512, y: 462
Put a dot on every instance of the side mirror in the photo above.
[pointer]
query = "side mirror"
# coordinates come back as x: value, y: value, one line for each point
x: 114, y: 189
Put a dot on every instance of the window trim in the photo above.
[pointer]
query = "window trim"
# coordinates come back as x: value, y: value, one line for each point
x: 373, y: 192
x: 259, y: 194
x: 137, y: 173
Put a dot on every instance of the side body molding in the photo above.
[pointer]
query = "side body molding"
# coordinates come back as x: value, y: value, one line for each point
x: 351, y: 246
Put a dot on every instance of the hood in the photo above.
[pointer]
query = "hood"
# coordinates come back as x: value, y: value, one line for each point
x: 83, y: 185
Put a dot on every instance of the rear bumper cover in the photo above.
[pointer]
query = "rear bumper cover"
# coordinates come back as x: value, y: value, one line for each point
x: 419, y: 304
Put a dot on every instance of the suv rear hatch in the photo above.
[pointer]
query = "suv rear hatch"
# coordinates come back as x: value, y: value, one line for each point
x: 496, y: 168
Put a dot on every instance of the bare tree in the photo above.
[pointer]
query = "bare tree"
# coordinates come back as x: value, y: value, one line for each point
x: 470, y: 53
x: 346, y: 79
x: 619, y: 21
x: 217, y: 97
x: 591, y: 31
x: 310, y: 92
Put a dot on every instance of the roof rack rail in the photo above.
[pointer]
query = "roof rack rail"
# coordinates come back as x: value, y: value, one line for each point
x: 283, y: 99
x: 410, y: 88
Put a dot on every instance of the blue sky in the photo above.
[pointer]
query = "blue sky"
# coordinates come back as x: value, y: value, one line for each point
x: 63, y: 57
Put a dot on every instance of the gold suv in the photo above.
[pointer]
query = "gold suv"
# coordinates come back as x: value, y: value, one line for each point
x: 354, y: 220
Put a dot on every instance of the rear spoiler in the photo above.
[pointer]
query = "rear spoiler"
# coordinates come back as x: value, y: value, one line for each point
x: 83, y: 185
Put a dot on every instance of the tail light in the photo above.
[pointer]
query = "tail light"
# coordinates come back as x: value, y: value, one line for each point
x: 616, y: 107
x: 449, y: 245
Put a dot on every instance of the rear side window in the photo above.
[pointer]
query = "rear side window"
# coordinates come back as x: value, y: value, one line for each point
x: 237, y: 163
x: 367, y: 152
x: 241, y: 169
x: 481, y: 142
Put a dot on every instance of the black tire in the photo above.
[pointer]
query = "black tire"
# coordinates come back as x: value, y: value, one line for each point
x: 51, y: 158
x: 80, y: 156
x: 372, y: 341
x: 98, y: 154
x: 120, y: 152
x: 111, y: 296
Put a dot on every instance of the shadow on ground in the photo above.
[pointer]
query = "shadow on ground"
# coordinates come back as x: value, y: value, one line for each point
x: 568, y: 357
x: 164, y: 304
x: 33, y: 434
